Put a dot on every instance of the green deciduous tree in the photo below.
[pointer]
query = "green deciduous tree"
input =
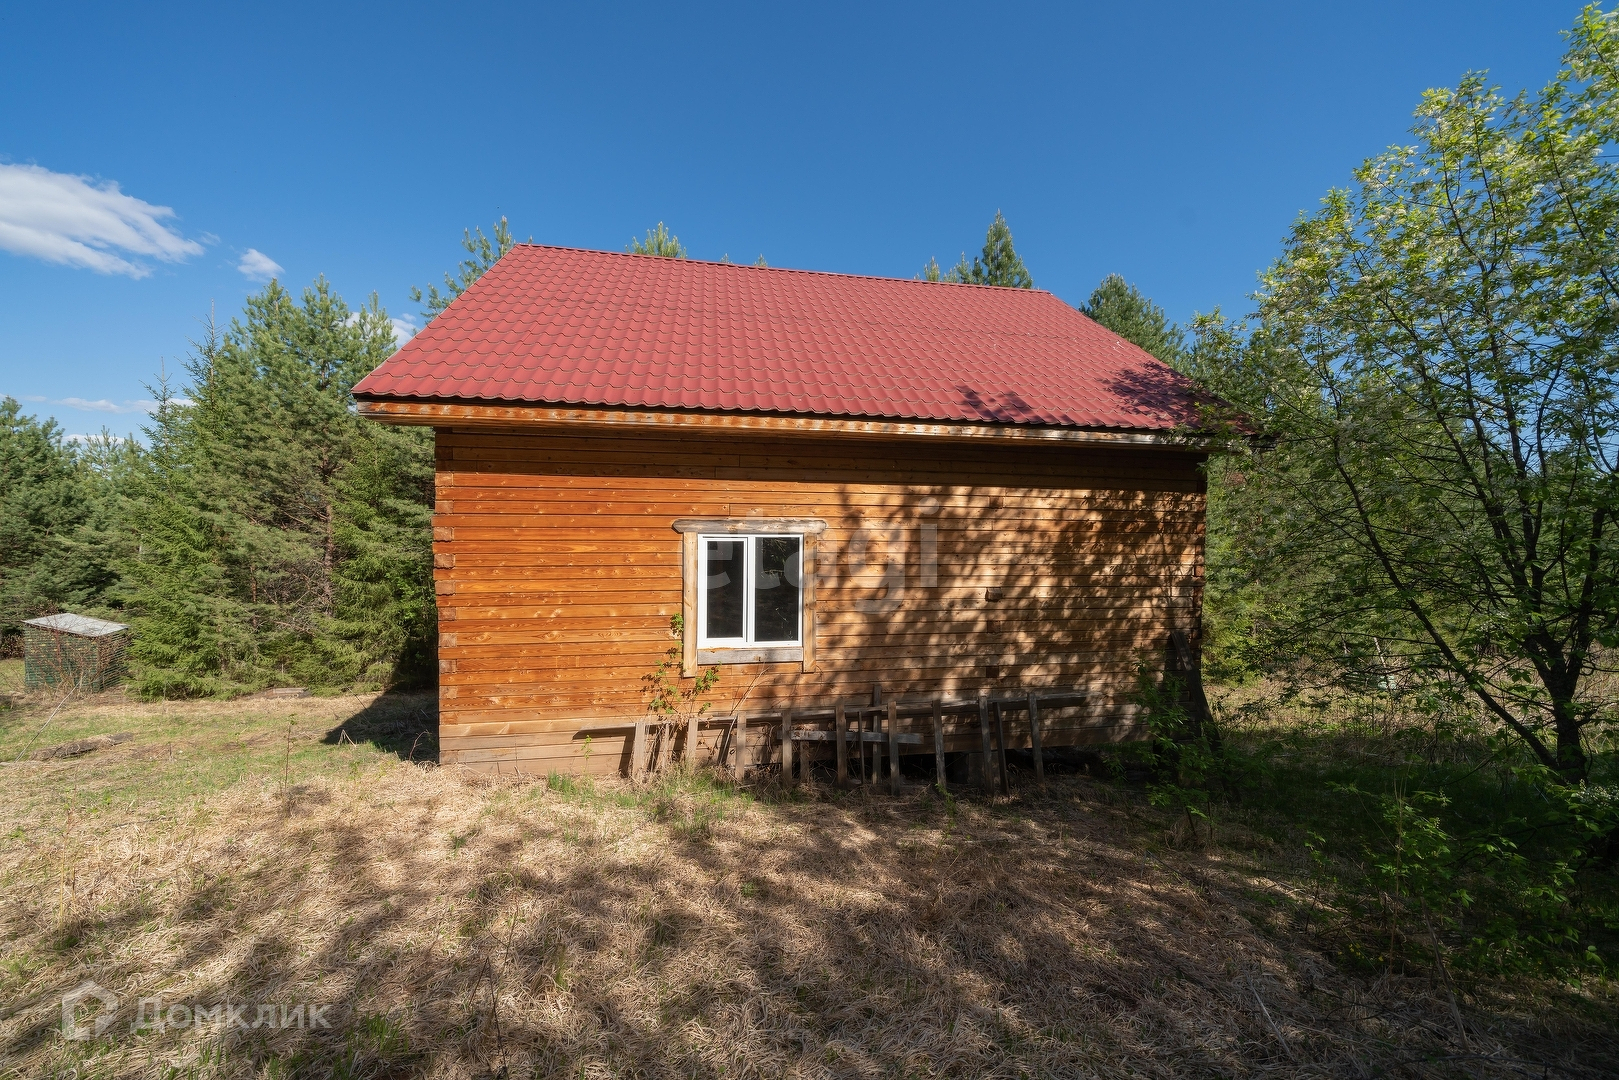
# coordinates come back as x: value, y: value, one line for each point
x: 1437, y: 362
x: 482, y: 253
x: 998, y: 264
x: 1120, y: 307
x: 659, y: 241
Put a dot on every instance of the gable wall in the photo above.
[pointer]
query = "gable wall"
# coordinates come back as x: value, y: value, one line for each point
x: 558, y: 570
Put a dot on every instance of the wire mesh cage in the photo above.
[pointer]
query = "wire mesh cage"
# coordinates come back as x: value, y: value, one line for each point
x: 60, y: 651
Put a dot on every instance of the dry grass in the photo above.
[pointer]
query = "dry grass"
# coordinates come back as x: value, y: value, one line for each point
x: 462, y: 928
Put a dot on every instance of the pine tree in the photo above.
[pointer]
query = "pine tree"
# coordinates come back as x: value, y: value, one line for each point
x: 190, y: 634
x: 483, y: 253
x: 52, y: 504
x: 106, y: 464
x: 661, y: 242
x: 1120, y: 307
x: 279, y: 536
x: 999, y: 264
x: 384, y: 621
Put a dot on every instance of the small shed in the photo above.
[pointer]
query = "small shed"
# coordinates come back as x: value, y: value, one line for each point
x: 74, y: 650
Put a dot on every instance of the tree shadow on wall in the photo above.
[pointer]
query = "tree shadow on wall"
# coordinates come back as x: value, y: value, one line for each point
x: 1057, y: 567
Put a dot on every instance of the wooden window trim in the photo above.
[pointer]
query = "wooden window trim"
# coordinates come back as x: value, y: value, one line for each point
x: 690, y: 529
x: 794, y: 526
x: 750, y: 654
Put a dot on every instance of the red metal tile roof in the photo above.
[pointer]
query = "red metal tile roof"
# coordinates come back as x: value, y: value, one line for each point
x: 561, y: 326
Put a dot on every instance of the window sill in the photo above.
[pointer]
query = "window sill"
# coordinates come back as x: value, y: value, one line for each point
x: 790, y: 654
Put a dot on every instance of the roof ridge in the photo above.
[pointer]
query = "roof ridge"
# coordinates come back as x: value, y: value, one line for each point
x: 787, y: 269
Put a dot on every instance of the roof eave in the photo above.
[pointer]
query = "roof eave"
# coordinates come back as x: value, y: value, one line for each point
x: 465, y: 414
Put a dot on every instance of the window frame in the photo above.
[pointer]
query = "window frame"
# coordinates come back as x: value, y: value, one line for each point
x: 750, y: 567
x: 696, y: 650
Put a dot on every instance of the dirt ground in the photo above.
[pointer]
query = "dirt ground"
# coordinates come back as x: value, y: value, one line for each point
x: 392, y: 918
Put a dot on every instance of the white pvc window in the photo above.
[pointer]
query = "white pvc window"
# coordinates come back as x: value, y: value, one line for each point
x: 750, y: 590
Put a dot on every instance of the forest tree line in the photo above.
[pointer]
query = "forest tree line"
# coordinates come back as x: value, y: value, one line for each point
x: 263, y: 534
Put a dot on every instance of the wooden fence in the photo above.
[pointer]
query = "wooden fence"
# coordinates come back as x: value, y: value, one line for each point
x: 861, y: 733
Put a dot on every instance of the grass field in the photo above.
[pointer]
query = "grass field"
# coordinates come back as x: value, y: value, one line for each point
x: 291, y: 854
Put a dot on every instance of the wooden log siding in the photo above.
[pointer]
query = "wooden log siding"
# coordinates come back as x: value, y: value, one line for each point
x: 557, y: 570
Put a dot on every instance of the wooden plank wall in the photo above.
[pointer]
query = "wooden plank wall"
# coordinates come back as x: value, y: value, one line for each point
x: 557, y: 573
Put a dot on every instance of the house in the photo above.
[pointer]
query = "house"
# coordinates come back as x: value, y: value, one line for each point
x: 852, y: 490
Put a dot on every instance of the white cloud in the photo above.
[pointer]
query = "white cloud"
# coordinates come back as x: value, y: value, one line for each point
x: 145, y: 406
x: 258, y: 266
x: 103, y: 405
x: 404, y: 329
x: 72, y: 220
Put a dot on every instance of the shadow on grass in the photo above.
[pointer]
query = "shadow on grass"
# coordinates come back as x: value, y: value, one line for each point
x: 405, y: 725
x: 767, y: 931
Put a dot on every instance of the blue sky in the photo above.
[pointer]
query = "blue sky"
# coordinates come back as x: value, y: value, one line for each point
x: 1172, y: 143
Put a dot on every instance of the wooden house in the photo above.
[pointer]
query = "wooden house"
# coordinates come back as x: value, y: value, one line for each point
x: 853, y: 491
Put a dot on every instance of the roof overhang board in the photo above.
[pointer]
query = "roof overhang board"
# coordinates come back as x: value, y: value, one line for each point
x: 544, y: 418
